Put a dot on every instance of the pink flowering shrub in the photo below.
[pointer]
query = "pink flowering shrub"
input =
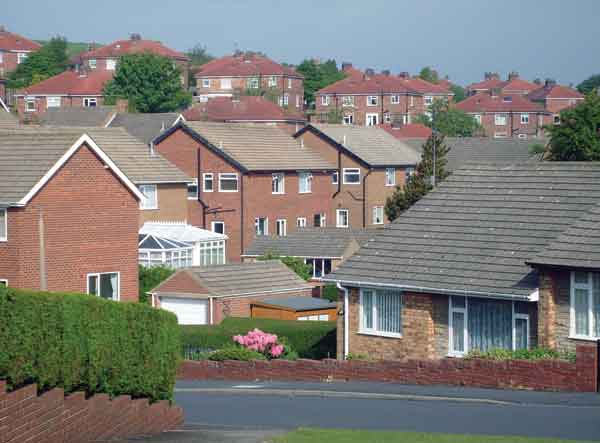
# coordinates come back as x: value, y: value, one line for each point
x: 263, y: 342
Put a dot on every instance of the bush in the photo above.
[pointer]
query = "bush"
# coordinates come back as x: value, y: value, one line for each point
x: 150, y: 278
x: 232, y: 352
x: 84, y: 343
x: 309, y: 339
x: 522, y: 354
x: 331, y: 293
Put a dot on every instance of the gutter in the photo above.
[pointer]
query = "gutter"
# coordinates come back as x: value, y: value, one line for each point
x: 346, y: 321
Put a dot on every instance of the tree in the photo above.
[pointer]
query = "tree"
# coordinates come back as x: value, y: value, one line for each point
x: 589, y: 85
x: 296, y: 264
x: 198, y: 56
x: 419, y: 183
x: 50, y: 60
x: 429, y: 74
x: 459, y: 93
x: 317, y: 76
x: 449, y: 121
x: 577, y: 137
x: 150, y: 82
x: 150, y: 278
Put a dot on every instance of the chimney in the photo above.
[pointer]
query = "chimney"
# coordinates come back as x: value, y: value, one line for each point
x: 549, y: 82
x: 404, y: 75
x: 491, y: 76
x: 135, y: 36
x: 386, y: 72
x: 369, y: 72
x: 513, y: 75
x: 122, y: 105
x: 495, y: 92
x: 91, y: 46
x: 346, y: 66
x: 2, y: 28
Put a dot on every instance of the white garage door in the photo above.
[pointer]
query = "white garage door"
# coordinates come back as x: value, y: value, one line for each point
x: 188, y: 312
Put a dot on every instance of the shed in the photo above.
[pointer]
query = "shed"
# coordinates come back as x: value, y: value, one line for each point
x: 295, y: 308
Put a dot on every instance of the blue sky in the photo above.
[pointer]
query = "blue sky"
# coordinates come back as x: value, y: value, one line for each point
x: 461, y: 38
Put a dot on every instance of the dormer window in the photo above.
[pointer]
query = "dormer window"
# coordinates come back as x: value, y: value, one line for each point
x: 507, y: 99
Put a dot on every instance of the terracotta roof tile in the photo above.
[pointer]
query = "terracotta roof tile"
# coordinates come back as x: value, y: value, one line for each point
x: 486, y: 84
x: 10, y: 41
x: 124, y: 47
x: 484, y: 102
x: 243, y: 66
x: 554, y: 91
x: 71, y: 83
x: 518, y: 84
x: 379, y: 83
x: 412, y: 130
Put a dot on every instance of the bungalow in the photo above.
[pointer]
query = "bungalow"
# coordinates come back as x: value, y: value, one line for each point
x: 207, y: 295
x: 495, y: 257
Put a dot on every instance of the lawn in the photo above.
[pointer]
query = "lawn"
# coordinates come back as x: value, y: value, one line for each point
x: 309, y: 435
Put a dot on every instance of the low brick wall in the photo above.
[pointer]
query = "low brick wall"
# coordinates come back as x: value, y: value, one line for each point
x: 543, y: 375
x: 54, y: 418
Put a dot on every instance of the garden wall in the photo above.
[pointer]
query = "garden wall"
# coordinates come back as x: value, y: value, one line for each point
x: 54, y: 418
x: 544, y: 375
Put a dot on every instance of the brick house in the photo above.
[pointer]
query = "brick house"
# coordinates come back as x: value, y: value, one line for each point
x: 513, y: 85
x: 373, y: 99
x: 495, y: 257
x: 249, y: 74
x: 370, y: 163
x: 68, y: 216
x: 13, y: 50
x: 252, y: 179
x: 207, y: 295
x: 554, y: 98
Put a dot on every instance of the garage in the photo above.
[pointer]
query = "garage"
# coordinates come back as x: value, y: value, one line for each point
x: 188, y: 311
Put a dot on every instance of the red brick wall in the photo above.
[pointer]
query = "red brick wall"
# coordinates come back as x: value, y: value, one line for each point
x: 40, y: 105
x: 543, y: 375
x: 54, y: 418
x: 513, y: 126
x: 558, y: 104
x: 9, y: 62
x: 91, y: 222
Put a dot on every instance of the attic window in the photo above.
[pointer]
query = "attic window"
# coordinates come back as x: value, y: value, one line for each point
x: 507, y: 99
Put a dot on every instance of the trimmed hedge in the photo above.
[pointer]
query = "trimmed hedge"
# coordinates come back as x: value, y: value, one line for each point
x: 84, y: 343
x: 310, y: 339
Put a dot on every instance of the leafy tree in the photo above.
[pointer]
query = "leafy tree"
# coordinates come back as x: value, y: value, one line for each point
x: 419, y: 183
x: 199, y: 55
x: 51, y: 59
x: 296, y: 264
x: 459, y: 93
x: 317, y: 76
x: 150, y: 82
x: 449, y: 121
x: 429, y: 74
x: 589, y: 85
x: 149, y: 278
x: 537, y: 148
x: 577, y: 137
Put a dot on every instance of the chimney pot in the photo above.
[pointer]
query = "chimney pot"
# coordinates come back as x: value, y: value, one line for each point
x: 386, y: 72
x: 2, y: 28
x: 549, y: 82
x: 403, y: 74
x: 369, y: 72
x: 135, y: 36
x: 346, y: 66
x: 513, y: 75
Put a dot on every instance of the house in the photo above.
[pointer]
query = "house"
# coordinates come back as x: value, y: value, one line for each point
x: 248, y: 73
x: 14, y: 49
x: 68, y: 215
x: 504, y: 115
x: 252, y: 179
x: 374, y: 99
x: 207, y: 295
x: 554, y: 98
x: 409, y: 131
x: 295, y: 307
x: 370, y: 163
x: 498, y: 256
x: 514, y: 85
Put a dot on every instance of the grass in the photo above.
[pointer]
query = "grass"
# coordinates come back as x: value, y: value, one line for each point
x: 310, y: 435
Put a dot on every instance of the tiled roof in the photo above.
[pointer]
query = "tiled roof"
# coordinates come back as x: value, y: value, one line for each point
x: 488, y: 84
x: 7, y: 120
x: 425, y: 87
x: 376, y: 84
x: 484, y: 102
x: 87, y: 117
x: 247, y: 108
x: 374, y: 146
x: 310, y: 243
x: 10, y: 41
x: 476, y: 231
x: 518, y: 85
x: 240, y: 279
x: 411, y: 130
x: 71, y: 83
x: 145, y: 127
x: 299, y: 303
x: 244, y: 66
x: 124, y: 47
x: 259, y: 147
x: 554, y: 91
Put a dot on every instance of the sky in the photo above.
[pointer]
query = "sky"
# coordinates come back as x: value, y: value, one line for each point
x: 462, y: 39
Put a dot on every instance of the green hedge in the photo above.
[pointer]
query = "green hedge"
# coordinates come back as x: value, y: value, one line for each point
x: 310, y: 339
x: 84, y: 343
x: 522, y: 354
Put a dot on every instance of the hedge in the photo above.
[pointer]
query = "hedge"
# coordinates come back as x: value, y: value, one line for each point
x: 310, y: 339
x: 84, y: 343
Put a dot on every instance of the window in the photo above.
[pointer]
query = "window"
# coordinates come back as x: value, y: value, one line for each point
x: 377, y: 215
x: 305, y: 182
x: 412, y: 100
x: 395, y: 99
x: 372, y: 119
x: 556, y: 119
x: 192, y: 191
x: 286, y: 99
x: 585, y: 305
x: 272, y: 82
x: 348, y: 119
x: 458, y: 326
x: 21, y: 57
x: 428, y: 100
x: 111, y: 64
x: 301, y: 222
x: 408, y: 172
x: 1, y: 57
x: 348, y: 100
x: 390, y: 176
x: 507, y: 99
x: 320, y: 221
x: 281, y: 227
x: 351, y: 176
x: 228, y: 182
x: 477, y: 118
x: 500, y: 119
x: 341, y: 218
x: 206, y: 82
x: 320, y: 266
x: 225, y: 83
x: 53, y: 102
x: 90, y: 102
x: 105, y: 285
x: 387, y: 118
x: 372, y: 100
x: 289, y: 81
x: 325, y: 100
x: 212, y: 253
x: 297, y: 101
x: 3, y: 224
x: 30, y: 105
x: 150, y: 200
x: 253, y: 83
x: 277, y: 184
x: 218, y: 227
x: 207, y: 180
x: 261, y: 224
x: 3, y: 283
x: 92, y: 63
x: 524, y: 119
x: 381, y: 312
x: 335, y: 178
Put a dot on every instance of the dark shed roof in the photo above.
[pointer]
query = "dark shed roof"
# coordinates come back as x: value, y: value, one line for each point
x: 300, y: 303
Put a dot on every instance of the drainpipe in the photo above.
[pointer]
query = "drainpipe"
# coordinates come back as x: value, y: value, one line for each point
x: 41, y: 229
x: 199, y: 188
x: 242, y: 214
x: 365, y: 197
x: 346, y: 321
x: 339, y: 186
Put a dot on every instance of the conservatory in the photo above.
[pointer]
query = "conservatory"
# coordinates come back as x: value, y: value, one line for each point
x: 157, y: 251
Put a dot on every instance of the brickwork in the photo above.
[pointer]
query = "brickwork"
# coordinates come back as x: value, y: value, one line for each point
x: 172, y: 204
x: 558, y: 104
x: 41, y: 105
x: 54, y: 418
x: 530, y: 128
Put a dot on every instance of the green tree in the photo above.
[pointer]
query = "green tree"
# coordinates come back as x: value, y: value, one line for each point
x: 51, y: 59
x: 419, y: 183
x: 317, y: 76
x: 449, y: 121
x: 459, y: 92
x: 150, y: 82
x: 198, y: 56
x: 296, y: 264
x: 589, y: 85
x: 149, y: 278
x: 577, y: 137
x: 429, y: 74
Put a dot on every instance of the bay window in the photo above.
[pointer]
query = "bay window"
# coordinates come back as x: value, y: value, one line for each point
x: 381, y: 312
x: 105, y: 285
x: 585, y: 305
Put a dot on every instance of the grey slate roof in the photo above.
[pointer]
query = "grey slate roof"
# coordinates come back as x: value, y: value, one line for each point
x: 7, y: 120
x: 465, y: 150
x: 311, y: 243
x: 73, y: 117
x: 300, y: 303
x: 475, y: 233
x: 260, y: 147
x: 374, y: 146
x: 145, y: 127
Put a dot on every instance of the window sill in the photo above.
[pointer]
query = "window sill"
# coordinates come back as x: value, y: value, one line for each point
x: 220, y: 190
x: 583, y: 338
x: 149, y: 209
x: 357, y: 183
x: 278, y: 193
x: 306, y: 192
x: 380, y: 334
x: 390, y: 186
x: 344, y: 227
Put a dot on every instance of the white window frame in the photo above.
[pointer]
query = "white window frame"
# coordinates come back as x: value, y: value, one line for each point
x: 253, y: 83
x: 56, y: 101
x: 373, y: 330
x: 281, y: 227
x: 372, y: 100
x: 206, y: 82
x: 210, y: 177
x: 556, y: 119
x: 87, y: 102
x: 322, y: 220
x: 348, y: 119
x: 500, y: 119
x: 525, y: 118
x: 371, y: 119
x: 28, y: 102
x: 325, y: 100
x: 351, y: 171
x: 348, y: 101
x: 518, y: 316
x: 193, y: 197
x: 387, y: 118
x: 395, y: 99
x: 4, y: 238
x: 428, y: 100
x: 266, y: 224
x: 215, y: 223
x: 146, y: 204
x: 272, y: 82
x: 286, y: 99
x: 377, y: 211
x: 477, y: 118
x: 297, y: 101
x: 589, y: 287
x: 97, y: 275
x: 111, y: 64
x: 225, y: 83
x: 1, y: 56
x: 301, y: 222
x: 390, y: 176
x: 229, y: 175
x: 4, y: 281
x: 338, y: 212
x: 307, y: 178
x: 92, y: 63
x: 278, y: 183
x: 289, y: 83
